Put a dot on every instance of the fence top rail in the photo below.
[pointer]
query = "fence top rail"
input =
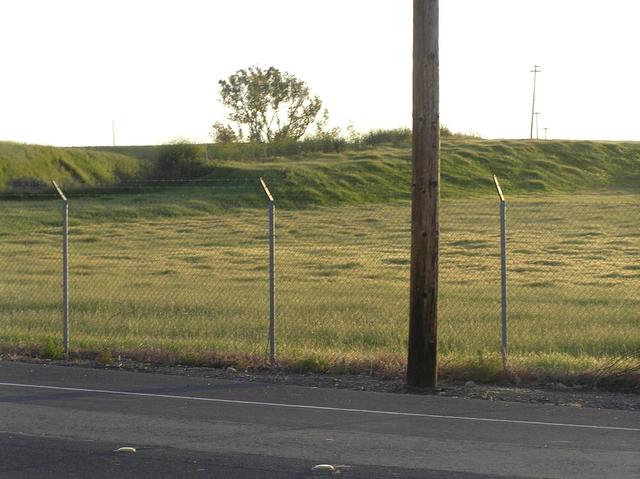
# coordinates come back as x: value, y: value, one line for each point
x: 59, y: 191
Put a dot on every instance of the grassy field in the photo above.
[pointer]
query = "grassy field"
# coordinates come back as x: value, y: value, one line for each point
x: 182, y: 274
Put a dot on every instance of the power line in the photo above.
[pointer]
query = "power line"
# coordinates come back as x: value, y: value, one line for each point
x: 535, y: 72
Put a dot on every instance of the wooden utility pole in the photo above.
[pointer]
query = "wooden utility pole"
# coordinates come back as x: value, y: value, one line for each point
x: 422, y: 365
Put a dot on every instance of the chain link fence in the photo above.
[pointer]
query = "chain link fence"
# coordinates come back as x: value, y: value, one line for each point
x: 574, y: 281
x: 343, y: 277
x: 184, y: 271
x: 470, y: 302
x: 153, y: 270
x: 31, y: 265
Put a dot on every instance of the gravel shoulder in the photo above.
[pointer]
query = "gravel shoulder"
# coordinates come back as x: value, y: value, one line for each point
x: 554, y: 394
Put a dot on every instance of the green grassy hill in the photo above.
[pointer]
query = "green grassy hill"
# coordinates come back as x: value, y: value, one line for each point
x: 33, y: 164
x: 356, y: 174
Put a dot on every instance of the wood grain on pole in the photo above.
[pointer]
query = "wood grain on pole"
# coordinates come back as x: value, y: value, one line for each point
x: 422, y: 367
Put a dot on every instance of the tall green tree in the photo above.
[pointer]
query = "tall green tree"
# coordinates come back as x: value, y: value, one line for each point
x: 265, y: 106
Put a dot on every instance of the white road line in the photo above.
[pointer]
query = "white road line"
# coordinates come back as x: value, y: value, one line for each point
x: 319, y: 408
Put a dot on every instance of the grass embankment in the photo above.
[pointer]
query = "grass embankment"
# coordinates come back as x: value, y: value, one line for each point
x: 31, y: 165
x: 375, y: 173
x: 357, y: 174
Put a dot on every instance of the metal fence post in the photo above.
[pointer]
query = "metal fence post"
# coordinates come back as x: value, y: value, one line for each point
x: 272, y: 274
x: 503, y: 268
x: 65, y: 269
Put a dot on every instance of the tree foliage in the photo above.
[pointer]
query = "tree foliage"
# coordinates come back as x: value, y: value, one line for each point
x: 265, y: 106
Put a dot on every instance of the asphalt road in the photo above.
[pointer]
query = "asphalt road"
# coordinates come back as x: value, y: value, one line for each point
x: 66, y: 422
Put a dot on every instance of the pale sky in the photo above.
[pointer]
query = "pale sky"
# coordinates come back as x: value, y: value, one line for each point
x: 70, y: 67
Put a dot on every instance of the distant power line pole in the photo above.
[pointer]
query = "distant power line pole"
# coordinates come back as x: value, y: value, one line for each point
x: 113, y: 132
x: 422, y: 366
x: 535, y: 72
x: 545, y: 132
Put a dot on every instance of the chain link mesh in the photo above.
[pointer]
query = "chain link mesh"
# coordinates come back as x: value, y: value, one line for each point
x: 178, y: 270
x: 574, y: 277
x: 31, y: 281
x: 342, y: 276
